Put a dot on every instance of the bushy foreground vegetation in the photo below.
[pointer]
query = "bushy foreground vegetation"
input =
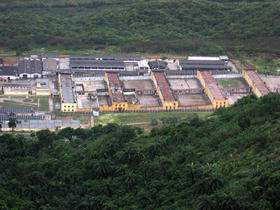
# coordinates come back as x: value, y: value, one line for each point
x: 198, y: 26
x: 228, y: 161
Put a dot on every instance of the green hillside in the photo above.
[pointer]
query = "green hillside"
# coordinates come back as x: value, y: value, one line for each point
x: 198, y: 26
x: 228, y: 161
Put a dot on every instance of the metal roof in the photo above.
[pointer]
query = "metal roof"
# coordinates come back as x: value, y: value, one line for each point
x: 102, y: 57
x: 46, y: 124
x: 9, y: 71
x: 16, y: 110
x: 98, y: 64
x: 6, y: 117
x: 67, y: 91
x: 202, y: 62
x: 30, y: 66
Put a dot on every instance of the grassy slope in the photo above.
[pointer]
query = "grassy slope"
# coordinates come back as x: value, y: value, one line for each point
x: 130, y: 118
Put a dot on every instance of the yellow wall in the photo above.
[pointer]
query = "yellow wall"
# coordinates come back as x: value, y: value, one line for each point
x: 68, y: 107
x: 252, y: 85
x: 215, y: 103
x: 43, y: 92
x: 16, y: 93
x: 165, y: 104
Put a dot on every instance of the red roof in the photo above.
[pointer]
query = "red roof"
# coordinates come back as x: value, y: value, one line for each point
x: 212, y: 86
x: 257, y: 81
x: 116, y: 87
x: 164, y: 86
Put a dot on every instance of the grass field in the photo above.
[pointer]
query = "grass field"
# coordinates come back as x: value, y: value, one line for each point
x: 130, y: 118
x: 43, y: 105
x: 234, y: 82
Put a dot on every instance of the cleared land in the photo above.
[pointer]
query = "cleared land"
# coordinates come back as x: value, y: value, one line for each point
x: 131, y: 118
x: 232, y: 82
x: 192, y: 99
x: 148, y: 101
x: 138, y: 84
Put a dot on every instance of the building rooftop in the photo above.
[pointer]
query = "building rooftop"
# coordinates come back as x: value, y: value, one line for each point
x: 101, y: 57
x: 116, y: 87
x: 9, y: 71
x: 157, y: 64
x: 46, y: 124
x: 67, y: 90
x: 30, y: 66
x: 164, y: 86
x: 253, y: 75
x: 6, y: 117
x: 203, y: 58
x: 44, y: 83
x: 212, y: 86
x: 96, y: 64
x: 16, y: 110
x: 50, y: 64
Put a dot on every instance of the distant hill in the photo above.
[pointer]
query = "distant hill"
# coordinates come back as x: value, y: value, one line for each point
x: 155, y: 25
x: 228, y: 161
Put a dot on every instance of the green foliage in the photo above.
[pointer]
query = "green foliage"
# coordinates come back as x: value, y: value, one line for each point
x: 228, y: 161
x: 178, y: 26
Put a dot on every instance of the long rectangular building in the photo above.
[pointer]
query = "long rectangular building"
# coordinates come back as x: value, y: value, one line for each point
x: 164, y: 90
x: 68, y: 102
x: 212, y: 90
x: 254, y: 80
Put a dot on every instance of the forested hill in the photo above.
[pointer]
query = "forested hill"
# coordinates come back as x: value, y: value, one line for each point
x: 228, y: 161
x: 154, y: 25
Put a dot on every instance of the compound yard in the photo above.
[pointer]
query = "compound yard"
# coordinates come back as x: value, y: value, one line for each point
x: 148, y: 100
x: 184, y: 83
x: 232, y: 82
x: 192, y: 99
x: 138, y: 84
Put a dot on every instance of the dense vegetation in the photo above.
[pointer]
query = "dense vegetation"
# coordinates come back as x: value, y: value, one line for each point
x: 202, y: 26
x: 228, y: 161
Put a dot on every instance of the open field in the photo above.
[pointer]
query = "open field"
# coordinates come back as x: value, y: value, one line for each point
x: 232, y: 82
x: 22, y: 102
x: 192, y: 99
x: 132, y: 118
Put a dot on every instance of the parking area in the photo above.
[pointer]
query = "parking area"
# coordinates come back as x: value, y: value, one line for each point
x: 148, y: 101
x: 192, y: 99
x: 138, y: 84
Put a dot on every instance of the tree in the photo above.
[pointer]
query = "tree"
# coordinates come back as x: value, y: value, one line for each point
x: 12, y: 123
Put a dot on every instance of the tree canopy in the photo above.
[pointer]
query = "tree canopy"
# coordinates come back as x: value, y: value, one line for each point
x: 228, y: 161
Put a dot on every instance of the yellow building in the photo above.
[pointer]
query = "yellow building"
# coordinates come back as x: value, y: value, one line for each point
x: 16, y: 89
x: 164, y: 91
x: 116, y: 95
x: 67, y: 98
x: 257, y: 85
x: 42, y: 87
x: 211, y: 89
